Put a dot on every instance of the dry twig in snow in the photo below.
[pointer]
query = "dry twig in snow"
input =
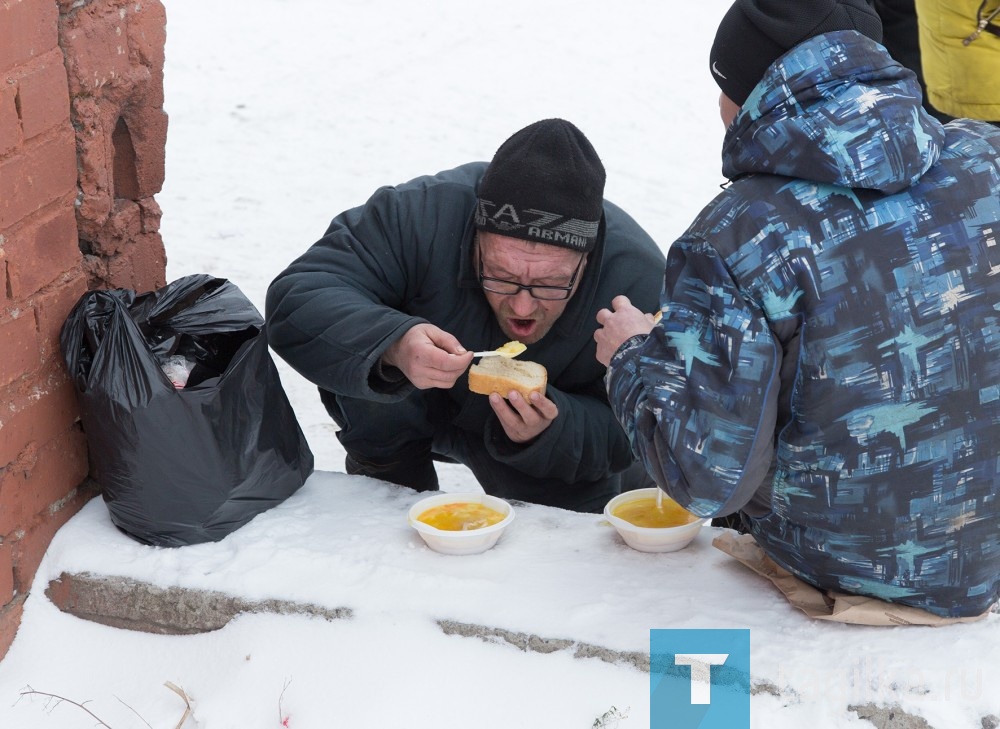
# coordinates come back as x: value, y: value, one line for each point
x: 30, y: 691
x: 188, y: 711
x: 282, y: 719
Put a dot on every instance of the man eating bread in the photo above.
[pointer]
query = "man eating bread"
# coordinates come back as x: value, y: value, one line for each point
x: 386, y: 310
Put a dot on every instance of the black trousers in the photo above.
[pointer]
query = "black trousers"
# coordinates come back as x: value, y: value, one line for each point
x: 399, y: 442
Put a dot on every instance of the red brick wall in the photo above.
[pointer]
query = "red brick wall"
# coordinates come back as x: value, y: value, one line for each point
x: 82, y: 137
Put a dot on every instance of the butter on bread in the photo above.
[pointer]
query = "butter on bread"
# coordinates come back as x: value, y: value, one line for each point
x: 501, y: 375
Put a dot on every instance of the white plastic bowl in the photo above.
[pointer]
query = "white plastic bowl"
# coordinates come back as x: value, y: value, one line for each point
x: 472, y: 541
x: 650, y: 539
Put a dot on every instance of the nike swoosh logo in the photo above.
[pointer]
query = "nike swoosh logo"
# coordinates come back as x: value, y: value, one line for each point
x: 717, y: 72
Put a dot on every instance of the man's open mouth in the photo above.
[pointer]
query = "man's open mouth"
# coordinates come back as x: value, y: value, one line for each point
x: 522, y: 326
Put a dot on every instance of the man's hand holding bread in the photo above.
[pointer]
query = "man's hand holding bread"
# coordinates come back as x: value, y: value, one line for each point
x: 431, y: 357
x: 517, y: 395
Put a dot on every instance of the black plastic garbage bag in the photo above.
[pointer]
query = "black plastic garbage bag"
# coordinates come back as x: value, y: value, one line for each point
x: 192, y: 462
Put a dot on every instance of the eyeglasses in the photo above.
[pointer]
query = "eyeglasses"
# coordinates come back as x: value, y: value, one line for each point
x: 511, y: 288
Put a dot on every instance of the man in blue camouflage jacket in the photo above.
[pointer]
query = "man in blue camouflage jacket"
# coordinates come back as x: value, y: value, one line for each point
x: 828, y: 360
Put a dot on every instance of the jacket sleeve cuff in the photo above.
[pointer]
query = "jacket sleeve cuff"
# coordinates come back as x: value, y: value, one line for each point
x: 624, y: 359
x: 518, y: 455
x: 386, y: 379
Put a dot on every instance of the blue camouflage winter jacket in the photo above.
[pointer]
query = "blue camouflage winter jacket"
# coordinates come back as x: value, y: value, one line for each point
x: 828, y: 360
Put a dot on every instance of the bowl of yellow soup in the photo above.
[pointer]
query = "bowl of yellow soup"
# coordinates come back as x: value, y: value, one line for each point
x: 457, y: 523
x: 650, y: 525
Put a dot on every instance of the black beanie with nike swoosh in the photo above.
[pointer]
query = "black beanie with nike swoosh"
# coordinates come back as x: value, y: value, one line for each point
x: 755, y: 33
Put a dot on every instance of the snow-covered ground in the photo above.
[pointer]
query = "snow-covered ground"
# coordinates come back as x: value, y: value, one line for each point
x: 343, y: 541
x: 285, y: 112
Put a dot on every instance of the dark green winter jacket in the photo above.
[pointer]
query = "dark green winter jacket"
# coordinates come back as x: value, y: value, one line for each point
x: 405, y: 257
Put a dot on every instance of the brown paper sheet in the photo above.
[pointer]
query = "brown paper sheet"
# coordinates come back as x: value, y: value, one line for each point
x: 829, y: 605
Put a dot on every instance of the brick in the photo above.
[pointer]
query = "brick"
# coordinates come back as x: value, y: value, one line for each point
x: 61, y: 466
x: 10, y: 619
x: 43, y: 249
x: 147, y: 35
x: 53, y: 307
x: 148, y: 125
x: 41, y: 174
x: 29, y: 549
x: 96, y: 51
x: 20, y: 346
x: 120, y: 231
x: 150, y: 264
x: 151, y: 214
x: 10, y: 124
x: 142, y: 267
x: 12, y: 514
x: 37, y: 483
x: 6, y: 574
x: 38, y: 420
x: 95, y: 159
x: 44, y: 95
x: 28, y: 28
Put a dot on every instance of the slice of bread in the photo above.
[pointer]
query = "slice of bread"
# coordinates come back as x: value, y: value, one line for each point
x: 501, y: 375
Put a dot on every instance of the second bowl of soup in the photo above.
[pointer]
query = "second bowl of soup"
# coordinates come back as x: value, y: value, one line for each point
x: 651, y: 524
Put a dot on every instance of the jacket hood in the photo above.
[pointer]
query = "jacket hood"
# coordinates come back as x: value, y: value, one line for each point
x: 835, y: 109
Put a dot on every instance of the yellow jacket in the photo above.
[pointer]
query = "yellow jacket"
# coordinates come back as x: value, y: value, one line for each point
x: 962, y: 80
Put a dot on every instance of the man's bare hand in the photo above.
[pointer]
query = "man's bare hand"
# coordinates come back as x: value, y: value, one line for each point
x: 429, y: 357
x: 524, y: 420
x: 618, y: 324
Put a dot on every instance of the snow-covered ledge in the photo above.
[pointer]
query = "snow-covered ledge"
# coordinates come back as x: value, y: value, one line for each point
x: 558, y: 582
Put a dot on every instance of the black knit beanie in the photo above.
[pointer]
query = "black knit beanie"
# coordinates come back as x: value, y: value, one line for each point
x: 545, y: 184
x: 755, y: 33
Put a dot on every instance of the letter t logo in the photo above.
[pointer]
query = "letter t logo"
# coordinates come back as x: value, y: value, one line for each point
x: 701, y: 673
x: 699, y: 678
